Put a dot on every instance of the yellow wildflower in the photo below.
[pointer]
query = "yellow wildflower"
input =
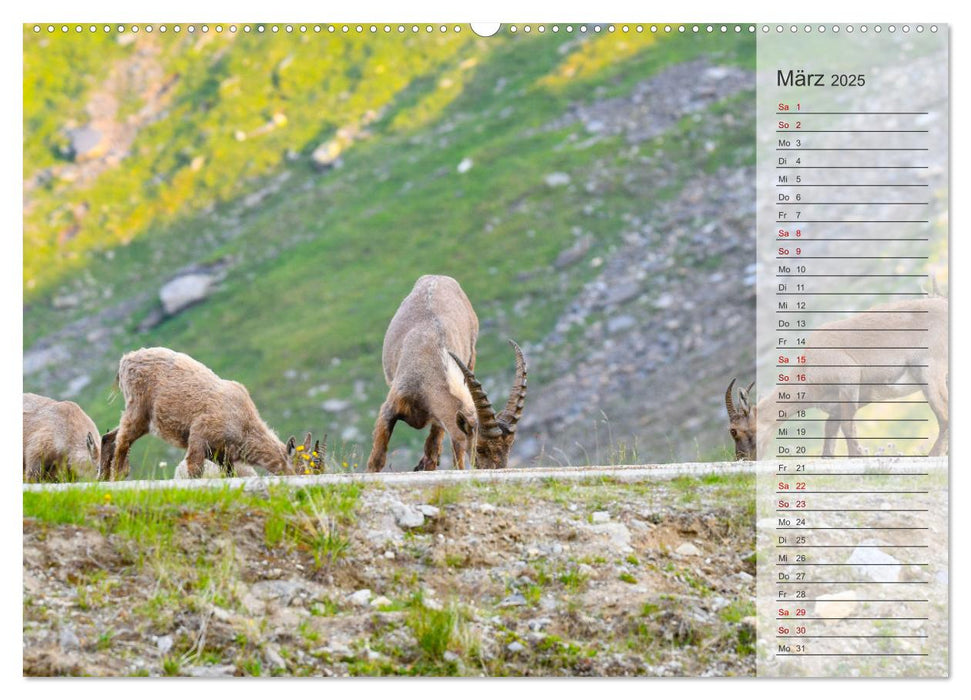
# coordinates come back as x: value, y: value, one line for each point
x: 299, y: 448
x: 107, y: 498
x: 315, y: 454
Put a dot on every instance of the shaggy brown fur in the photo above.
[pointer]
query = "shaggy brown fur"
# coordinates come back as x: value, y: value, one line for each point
x: 866, y: 366
x: 185, y: 403
x: 428, y: 358
x: 60, y: 440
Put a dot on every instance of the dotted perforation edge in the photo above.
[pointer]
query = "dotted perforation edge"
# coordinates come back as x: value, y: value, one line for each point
x: 423, y: 28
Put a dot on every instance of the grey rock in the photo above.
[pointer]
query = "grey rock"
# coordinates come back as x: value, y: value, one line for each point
x: 600, y: 516
x: 665, y: 301
x: 164, y: 643
x: 211, y: 671
x: 335, y: 405
x: 620, y: 323
x: 618, y: 536
x: 406, y: 516
x: 538, y: 624
x: 464, y: 166
x: 65, y: 301
x: 68, y: 639
x: 184, y: 291
x: 556, y: 179
x: 515, y: 648
x: 281, y: 591
x: 512, y: 601
x: 273, y: 658
x: 75, y: 385
x: 361, y: 597
x: 874, y: 564
x: 427, y: 510
x: 574, y: 253
x: 85, y: 143
x: 36, y: 360
x: 686, y: 549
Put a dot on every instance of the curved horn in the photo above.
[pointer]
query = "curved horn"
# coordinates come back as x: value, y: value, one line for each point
x: 513, y: 411
x: 729, y: 404
x: 488, y: 425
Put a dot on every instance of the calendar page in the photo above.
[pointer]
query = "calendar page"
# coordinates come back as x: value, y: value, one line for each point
x: 514, y: 349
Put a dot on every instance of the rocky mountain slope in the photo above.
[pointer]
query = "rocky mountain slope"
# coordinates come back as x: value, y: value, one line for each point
x: 217, y: 195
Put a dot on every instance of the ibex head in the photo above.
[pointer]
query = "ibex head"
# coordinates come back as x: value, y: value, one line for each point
x: 495, y: 433
x: 305, y: 459
x: 742, y: 421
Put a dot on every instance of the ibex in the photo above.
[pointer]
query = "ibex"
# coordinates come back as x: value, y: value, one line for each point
x: 186, y: 404
x: 309, y: 460
x: 60, y: 440
x: 429, y: 358
x: 859, y: 360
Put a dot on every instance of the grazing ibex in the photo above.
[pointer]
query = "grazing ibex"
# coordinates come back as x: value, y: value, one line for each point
x: 309, y: 460
x: 428, y: 357
x: 877, y: 356
x: 60, y: 440
x: 186, y: 404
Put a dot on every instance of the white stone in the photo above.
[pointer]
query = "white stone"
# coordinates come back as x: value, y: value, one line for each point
x: 184, y: 291
x: 687, y: 549
x: 406, y: 516
x: 836, y: 605
x: 361, y: 597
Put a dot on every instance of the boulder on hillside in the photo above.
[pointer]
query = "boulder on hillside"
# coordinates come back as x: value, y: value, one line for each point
x: 184, y: 291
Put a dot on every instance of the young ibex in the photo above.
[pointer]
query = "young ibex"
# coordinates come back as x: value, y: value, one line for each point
x: 60, y: 440
x: 309, y: 460
x: 859, y: 360
x: 428, y: 357
x: 183, y: 402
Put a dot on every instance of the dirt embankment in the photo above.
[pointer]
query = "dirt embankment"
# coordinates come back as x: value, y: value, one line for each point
x: 595, y: 577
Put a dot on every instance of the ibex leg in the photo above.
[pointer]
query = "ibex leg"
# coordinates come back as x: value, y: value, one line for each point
x: 133, y: 425
x: 937, y: 398
x: 382, y: 434
x: 433, y: 449
x: 830, y: 432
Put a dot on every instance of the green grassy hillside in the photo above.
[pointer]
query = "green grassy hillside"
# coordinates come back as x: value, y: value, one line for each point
x: 214, y: 136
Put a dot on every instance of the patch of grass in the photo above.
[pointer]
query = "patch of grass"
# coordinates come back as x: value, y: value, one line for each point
x: 104, y: 640
x: 171, y: 665
x: 627, y: 577
x: 442, y: 495
x: 251, y: 666
x: 573, y: 580
x: 649, y: 609
x: 326, y: 607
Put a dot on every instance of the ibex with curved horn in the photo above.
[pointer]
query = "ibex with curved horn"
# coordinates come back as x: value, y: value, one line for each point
x: 429, y: 358
x: 741, y: 420
x: 887, y: 353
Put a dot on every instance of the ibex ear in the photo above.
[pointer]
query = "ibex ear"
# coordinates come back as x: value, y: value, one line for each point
x: 306, y: 442
x: 291, y: 446
x: 92, y: 446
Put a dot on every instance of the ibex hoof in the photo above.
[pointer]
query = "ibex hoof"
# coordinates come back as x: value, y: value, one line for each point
x: 426, y: 465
